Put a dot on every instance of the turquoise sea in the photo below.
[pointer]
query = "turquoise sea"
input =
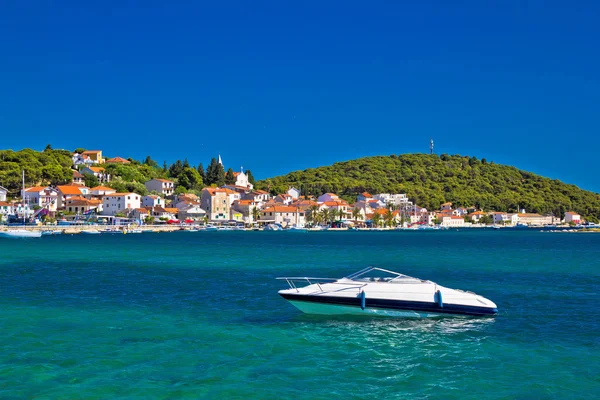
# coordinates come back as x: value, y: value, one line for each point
x: 197, y: 316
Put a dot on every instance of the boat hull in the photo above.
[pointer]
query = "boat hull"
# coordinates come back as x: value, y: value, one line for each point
x: 337, y: 309
x: 21, y: 234
x: 335, y: 305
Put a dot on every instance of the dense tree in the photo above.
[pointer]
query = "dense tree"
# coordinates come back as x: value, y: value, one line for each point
x: 90, y: 180
x: 215, y: 174
x: 202, y: 173
x: 251, y: 179
x: 176, y: 169
x: 229, y: 177
x: 150, y: 162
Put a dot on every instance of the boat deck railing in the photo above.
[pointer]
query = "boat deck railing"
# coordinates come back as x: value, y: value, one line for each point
x: 318, y: 281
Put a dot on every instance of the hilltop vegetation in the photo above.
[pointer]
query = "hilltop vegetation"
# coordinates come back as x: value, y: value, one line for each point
x: 50, y: 166
x: 54, y: 167
x: 430, y: 180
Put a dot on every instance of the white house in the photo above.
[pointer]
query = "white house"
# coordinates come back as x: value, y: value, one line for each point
x: 120, y: 203
x: 189, y: 210
x: 162, y: 186
x: 98, y: 172
x: 258, y: 196
x: 505, y: 218
x: 295, y: 193
x: 398, y: 199
x: 152, y: 201
x: 5, y: 210
x: 41, y: 196
x: 453, y: 221
x: 571, y: 216
x: 284, y: 199
x: 78, y: 178
x: 101, y: 191
x: 446, y: 206
x: 284, y: 215
x: 3, y: 193
x: 328, y: 197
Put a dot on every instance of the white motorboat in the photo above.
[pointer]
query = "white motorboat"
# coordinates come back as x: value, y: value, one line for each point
x: 90, y: 231
x: 273, y: 227
x: 379, y: 292
x: 210, y: 227
x: 20, y: 233
x: 297, y: 228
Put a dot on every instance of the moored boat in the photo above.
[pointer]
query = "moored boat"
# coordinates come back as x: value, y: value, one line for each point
x: 379, y: 292
x: 20, y: 233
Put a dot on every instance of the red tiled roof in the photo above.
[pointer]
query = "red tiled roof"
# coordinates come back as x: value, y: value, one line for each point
x: 119, y: 160
x: 68, y: 190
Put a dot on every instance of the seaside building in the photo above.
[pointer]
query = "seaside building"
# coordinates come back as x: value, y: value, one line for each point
x: 295, y: 193
x: 6, y: 209
x: 152, y: 201
x: 162, y: 186
x: 190, y: 210
x: 245, y: 207
x: 327, y: 197
x: 94, y: 155
x: 505, y: 218
x: 66, y: 192
x: 446, y: 206
x: 100, y: 191
x: 476, y: 216
x: 98, y: 172
x: 453, y: 221
x: 116, y: 203
x: 259, y: 197
x: 40, y: 196
x: 284, y: 199
x: 364, y: 196
x: 217, y: 202
x: 535, y: 219
x: 284, y: 215
x: 78, y: 178
x: 3, y: 193
x: 398, y: 200
x: 80, y: 205
x: 573, y: 217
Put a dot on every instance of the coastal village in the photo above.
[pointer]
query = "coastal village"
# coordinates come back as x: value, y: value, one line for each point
x: 239, y: 204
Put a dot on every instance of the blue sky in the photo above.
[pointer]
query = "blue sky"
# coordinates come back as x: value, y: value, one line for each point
x: 279, y: 86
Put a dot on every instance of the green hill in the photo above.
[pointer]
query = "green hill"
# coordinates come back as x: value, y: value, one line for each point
x: 430, y: 180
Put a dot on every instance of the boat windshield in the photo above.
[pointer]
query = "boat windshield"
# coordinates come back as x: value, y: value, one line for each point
x: 373, y: 274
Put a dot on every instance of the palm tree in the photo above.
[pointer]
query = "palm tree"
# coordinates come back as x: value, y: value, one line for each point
x: 313, y: 214
x: 324, y: 215
x: 255, y: 214
x: 333, y: 213
x: 376, y: 220
x: 389, y: 218
x: 356, y: 214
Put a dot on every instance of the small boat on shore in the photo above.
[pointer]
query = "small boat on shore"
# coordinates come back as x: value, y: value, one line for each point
x: 20, y: 233
x: 379, y: 292
x: 91, y: 231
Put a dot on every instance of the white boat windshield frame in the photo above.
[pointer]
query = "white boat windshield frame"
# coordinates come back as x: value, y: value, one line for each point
x: 365, y: 271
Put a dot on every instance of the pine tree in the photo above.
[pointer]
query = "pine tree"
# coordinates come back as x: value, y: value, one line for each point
x: 165, y: 166
x: 250, y: 177
x: 220, y: 181
x: 176, y: 169
x: 211, y: 172
x: 186, y: 164
x: 229, y: 177
x: 202, y: 173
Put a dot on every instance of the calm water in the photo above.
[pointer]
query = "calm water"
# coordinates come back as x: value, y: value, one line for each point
x: 197, y: 315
